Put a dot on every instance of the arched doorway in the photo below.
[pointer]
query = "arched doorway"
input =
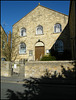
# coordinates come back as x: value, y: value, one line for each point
x: 39, y: 50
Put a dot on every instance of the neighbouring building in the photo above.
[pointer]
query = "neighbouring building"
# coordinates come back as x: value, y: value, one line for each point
x: 41, y: 31
x: 3, y: 42
x: 5, y: 45
x: 72, y: 24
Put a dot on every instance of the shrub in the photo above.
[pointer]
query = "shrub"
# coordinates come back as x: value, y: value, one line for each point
x: 48, y: 58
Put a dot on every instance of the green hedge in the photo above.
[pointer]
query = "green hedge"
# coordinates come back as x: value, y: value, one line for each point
x: 48, y: 58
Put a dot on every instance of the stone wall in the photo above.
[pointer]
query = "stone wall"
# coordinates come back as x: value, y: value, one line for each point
x: 38, y: 68
x: 6, y: 68
x: 33, y: 68
x: 10, y: 68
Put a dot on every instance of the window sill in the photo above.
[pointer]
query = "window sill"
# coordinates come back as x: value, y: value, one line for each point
x: 22, y: 53
x: 56, y: 32
x: 39, y: 34
x: 24, y: 36
x: 30, y: 55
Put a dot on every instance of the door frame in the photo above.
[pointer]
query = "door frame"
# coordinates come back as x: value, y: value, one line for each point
x: 39, y: 45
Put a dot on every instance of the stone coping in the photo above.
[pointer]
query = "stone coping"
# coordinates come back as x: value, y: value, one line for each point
x: 64, y: 61
x: 57, y: 61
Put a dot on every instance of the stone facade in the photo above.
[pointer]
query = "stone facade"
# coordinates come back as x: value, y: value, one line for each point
x: 3, y: 41
x: 47, y: 18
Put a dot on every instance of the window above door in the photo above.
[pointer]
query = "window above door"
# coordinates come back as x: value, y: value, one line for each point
x: 39, y: 30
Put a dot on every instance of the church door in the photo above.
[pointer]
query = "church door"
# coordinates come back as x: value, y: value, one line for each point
x: 39, y: 52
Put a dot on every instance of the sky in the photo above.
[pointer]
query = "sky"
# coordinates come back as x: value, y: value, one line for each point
x: 13, y: 11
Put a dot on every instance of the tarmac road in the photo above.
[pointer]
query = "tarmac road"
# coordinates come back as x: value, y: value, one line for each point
x: 8, y: 85
x: 69, y: 94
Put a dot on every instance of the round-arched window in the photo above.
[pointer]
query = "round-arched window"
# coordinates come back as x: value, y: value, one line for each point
x: 39, y: 30
x: 59, y: 46
x: 3, y: 44
x: 22, y: 32
x: 57, y: 28
x: 22, y: 49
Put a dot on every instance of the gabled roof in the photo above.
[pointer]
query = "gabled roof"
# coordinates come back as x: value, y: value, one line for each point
x: 44, y: 7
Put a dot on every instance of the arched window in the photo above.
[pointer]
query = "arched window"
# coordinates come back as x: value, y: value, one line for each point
x: 39, y: 30
x: 22, y: 49
x: 22, y: 32
x: 57, y: 28
x: 3, y: 44
x: 59, y: 46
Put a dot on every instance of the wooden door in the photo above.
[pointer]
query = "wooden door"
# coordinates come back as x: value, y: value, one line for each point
x: 39, y: 52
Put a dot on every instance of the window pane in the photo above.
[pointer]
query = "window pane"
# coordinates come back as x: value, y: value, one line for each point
x: 30, y: 52
x: 59, y: 46
x: 57, y: 28
x: 22, y: 48
x: 3, y: 44
x: 39, y: 30
x: 23, y: 32
x: 3, y: 59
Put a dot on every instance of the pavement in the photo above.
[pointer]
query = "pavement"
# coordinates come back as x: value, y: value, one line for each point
x: 12, y: 79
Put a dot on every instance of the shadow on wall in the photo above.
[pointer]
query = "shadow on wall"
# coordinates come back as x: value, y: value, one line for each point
x: 55, y: 87
x: 65, y: 38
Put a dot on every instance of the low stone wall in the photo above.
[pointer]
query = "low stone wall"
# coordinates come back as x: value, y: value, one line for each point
x: 34, y: 69
x: 37, y: 69
x: 5, y: 68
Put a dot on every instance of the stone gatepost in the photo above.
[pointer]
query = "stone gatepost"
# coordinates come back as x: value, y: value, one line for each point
x: 21, y: 71
x: 10, y: 69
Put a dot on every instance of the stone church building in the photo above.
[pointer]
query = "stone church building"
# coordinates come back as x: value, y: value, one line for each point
x: 40, y: 31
